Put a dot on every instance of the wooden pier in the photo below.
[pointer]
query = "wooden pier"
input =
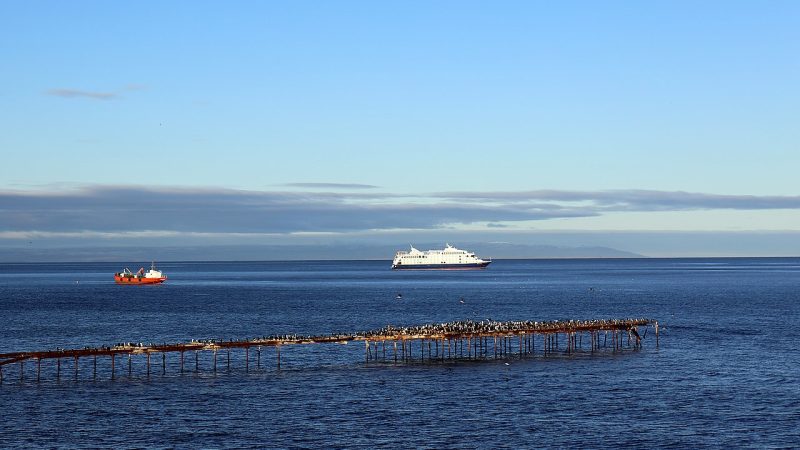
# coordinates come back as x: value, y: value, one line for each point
x: 429, y: 343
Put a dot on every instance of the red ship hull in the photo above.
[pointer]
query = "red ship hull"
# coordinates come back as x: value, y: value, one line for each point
x: 137, y: 280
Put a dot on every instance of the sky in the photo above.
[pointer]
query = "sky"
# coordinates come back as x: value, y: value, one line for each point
x: 660, y: 128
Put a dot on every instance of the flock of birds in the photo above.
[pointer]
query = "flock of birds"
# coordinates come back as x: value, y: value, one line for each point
x: 454, y: 328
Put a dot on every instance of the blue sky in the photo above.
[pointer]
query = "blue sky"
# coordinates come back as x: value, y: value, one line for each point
x: 354, y: 119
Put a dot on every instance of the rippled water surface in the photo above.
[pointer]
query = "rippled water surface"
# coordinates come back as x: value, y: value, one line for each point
x: 726, y: 372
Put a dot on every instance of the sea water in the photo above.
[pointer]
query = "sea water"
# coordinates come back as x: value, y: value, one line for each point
x: 726, y: 372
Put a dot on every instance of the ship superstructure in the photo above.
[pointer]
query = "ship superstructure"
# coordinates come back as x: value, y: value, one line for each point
x: 448, y: 258
x: 153, y: 276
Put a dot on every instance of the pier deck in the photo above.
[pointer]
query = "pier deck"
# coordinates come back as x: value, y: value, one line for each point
x: 424, y: 343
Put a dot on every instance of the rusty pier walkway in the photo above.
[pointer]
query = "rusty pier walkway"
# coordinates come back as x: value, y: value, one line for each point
x: 429, y: 343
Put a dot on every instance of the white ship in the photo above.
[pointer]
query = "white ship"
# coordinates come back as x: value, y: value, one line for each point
x: 449, y: 258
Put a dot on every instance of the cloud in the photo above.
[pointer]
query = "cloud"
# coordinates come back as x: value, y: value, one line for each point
x: 633, y: 200
x: 330, y: 185
x: 134, y: 87
x: 73, y: 93
x: 118, y: 209
x: 95, y: 95
x: 124, y: 208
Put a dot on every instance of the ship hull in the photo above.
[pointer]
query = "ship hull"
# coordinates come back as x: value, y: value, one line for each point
x: 138, y: 280
x: 481, y: 265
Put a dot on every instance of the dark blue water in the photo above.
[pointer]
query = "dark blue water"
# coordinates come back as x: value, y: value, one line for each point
x: 726, y: 373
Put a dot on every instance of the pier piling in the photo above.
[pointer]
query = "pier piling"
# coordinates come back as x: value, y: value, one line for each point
x: 655, y: 325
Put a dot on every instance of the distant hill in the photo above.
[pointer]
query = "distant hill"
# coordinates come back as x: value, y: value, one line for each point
x: 294, y: 252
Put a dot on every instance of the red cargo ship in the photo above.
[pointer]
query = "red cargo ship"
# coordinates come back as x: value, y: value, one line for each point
x: 152, y: 276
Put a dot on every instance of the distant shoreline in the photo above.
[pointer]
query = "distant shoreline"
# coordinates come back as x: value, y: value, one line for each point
x: 388, y: 261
